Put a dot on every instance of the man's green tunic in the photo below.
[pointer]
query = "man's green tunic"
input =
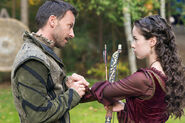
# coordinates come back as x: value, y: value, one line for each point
x: 38, y: 83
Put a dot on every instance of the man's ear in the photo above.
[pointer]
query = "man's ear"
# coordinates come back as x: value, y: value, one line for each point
x: 153, y: 41
x: 52, y: 21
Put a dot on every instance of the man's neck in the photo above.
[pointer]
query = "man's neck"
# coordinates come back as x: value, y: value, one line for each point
x: 46, y: 35
x: 43, y: 34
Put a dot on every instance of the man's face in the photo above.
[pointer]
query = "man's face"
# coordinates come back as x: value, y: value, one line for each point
x: 63, y: 32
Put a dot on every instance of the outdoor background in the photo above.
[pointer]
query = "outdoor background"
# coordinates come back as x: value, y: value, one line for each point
x: 98, y: 22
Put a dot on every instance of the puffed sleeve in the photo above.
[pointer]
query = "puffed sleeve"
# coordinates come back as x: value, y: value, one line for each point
x: 135, y: 85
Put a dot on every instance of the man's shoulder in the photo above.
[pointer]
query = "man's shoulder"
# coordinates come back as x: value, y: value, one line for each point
x: 32, y: 67
x: 30, y: 51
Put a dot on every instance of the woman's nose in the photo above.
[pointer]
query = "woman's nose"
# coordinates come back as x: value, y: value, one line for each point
x: 132, y: 45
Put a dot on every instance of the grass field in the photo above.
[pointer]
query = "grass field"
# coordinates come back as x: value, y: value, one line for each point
x: 92, y: 112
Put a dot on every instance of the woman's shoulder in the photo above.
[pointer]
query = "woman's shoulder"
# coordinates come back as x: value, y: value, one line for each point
x: 155, y: 73
x: 154, y: 70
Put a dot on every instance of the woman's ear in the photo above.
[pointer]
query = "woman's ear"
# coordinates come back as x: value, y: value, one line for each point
x: 153, y: 41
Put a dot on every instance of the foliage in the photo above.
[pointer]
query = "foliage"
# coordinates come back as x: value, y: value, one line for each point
x: 3, y: 1
x: 34, y: 2
x: 99, y: 70
x: 141, y: 8
x: 85, y: 42
x: 78, y: 53
x: 109, y: 9
x: 177, y: 10
x: 112, y: 9
x: 6, y: 4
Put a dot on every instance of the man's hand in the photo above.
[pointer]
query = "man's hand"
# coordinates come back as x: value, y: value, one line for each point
x: 78, y: 87
x: 118, y: 106
x: 78, y: 83
x: 77, y: 77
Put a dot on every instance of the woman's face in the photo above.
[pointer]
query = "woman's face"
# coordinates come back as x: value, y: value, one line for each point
x: 140, y: 45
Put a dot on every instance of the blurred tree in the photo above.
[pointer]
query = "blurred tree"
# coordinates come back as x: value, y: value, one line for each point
x: 128, y: 30
x: 13, y: 8
x: 162, y: 9
x: 24, y: 12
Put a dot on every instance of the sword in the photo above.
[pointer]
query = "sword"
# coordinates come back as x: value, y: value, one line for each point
x: 112, y: 75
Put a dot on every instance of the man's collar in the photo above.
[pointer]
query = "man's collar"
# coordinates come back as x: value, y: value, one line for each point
x: 44, y: 44
x: 43, y: 40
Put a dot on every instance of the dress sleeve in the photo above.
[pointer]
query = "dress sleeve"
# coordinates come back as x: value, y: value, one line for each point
x: 135, y: 85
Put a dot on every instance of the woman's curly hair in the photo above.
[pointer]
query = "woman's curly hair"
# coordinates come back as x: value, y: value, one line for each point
x: 156, y: 26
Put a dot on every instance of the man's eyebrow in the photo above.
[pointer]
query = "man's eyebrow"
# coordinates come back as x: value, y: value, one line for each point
x: 71, y: 24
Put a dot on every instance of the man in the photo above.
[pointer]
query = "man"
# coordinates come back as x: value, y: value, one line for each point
x: 41, y: 90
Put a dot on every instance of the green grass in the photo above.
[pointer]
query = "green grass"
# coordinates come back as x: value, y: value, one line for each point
x: 8, y: 112
x: 91, y: 112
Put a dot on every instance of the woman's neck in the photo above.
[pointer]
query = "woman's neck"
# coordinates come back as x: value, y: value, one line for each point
x: 153, y: 62
x: 152, y: 59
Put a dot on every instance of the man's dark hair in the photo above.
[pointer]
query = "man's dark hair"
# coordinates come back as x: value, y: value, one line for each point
x: 57, y: 8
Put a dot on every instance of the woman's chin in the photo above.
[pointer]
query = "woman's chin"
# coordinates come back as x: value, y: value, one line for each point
x: 140, y: 58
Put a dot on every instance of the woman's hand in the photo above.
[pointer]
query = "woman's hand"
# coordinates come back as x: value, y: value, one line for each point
x: 118, y: 106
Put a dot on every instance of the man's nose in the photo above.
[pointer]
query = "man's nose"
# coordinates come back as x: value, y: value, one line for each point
x: 72, y: 35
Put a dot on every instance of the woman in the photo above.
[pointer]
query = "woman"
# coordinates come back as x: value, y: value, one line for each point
x: 152, y: 94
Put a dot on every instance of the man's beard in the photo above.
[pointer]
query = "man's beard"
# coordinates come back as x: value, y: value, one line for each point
x: 58, y: 41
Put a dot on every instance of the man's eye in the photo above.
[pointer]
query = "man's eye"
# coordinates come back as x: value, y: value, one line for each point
x: 71, y: 26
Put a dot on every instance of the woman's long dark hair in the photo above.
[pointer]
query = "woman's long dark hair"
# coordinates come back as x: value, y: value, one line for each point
x: 156, y: 26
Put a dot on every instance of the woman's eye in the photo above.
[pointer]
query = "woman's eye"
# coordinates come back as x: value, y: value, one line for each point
x: 135, y: 39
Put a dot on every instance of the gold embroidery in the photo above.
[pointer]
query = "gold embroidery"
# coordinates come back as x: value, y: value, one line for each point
x: 153, y: 91
x: 159, y: 80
